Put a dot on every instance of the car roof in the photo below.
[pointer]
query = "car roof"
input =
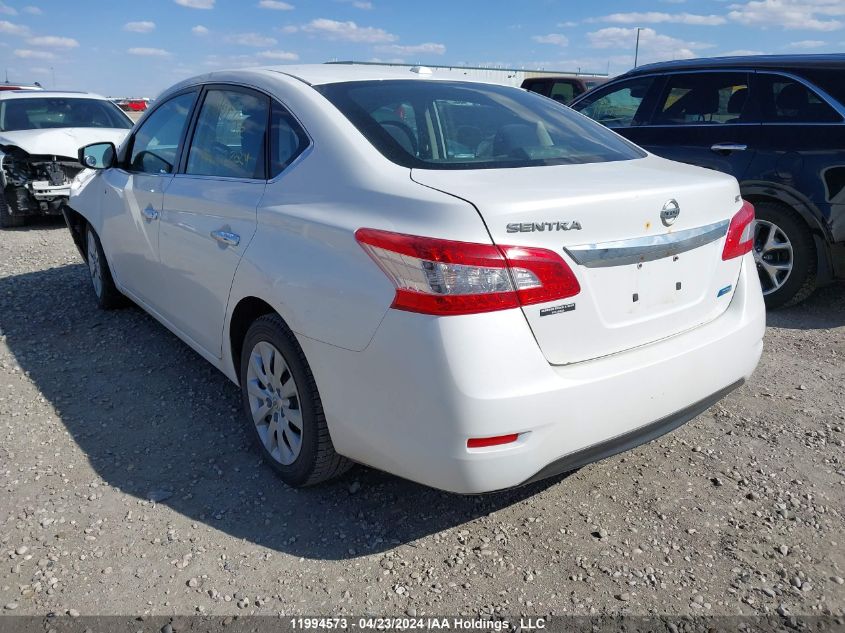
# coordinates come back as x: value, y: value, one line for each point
x: 41, y: 94
x: 830, y: 61
x: 316, y: 75
x: 321, y: 74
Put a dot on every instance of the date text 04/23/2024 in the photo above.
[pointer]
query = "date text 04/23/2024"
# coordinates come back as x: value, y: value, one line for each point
x: 415, y: 624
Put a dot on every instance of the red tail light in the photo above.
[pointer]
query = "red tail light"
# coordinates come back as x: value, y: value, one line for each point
x: 483, y: 442
x: 740, y: 238
x: 443, y: 277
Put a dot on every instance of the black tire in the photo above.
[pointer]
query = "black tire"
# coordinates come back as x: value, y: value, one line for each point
x: 317, y: 460
x: 107, y: 295
x: 7, y: 220
x: 801, y: 281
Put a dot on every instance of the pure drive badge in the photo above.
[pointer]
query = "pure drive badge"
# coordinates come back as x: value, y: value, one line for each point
x: 531, y: 227
x: 566, y: 307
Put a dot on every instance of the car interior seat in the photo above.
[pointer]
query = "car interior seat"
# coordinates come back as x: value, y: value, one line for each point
x: 253, y: 138
x: 469, y: 136
x: 698, y: 104
x: 736, y: 104
x: 514, y: 138
x: 16, y: 119
x: 402, y: 134
x: 792, y: 102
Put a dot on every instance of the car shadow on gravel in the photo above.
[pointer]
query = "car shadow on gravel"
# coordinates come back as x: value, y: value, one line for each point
x: 157, y: 422
x: 39, y: 223
x: 823, y: 310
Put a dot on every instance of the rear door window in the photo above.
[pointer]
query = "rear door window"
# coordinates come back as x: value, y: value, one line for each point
x: 828, y: 80
x: 619, y: 105
x: 704, y: 99
x: 231, y: 135
x: 786, y: 100
x: 287, y: 140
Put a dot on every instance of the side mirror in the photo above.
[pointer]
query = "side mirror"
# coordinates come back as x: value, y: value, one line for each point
x: 98, y: 155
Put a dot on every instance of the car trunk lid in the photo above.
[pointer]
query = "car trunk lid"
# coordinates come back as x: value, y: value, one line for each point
x: 644, y: 237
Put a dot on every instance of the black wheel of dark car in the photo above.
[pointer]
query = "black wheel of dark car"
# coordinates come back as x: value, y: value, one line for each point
x: 7, y: 220
x: 785, y: 255
x: 108, y: 296
x: 283, y: 407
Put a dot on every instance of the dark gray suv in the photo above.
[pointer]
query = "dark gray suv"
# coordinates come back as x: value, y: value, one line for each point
x: 776, y: 123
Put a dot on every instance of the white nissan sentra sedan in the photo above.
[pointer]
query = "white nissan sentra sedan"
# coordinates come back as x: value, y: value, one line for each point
x: 464, y: 284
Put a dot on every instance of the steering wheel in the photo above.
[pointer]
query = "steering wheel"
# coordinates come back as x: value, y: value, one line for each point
x: 406, y: 129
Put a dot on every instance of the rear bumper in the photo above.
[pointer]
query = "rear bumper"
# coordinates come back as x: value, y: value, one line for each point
x: 408, y: 403
x: 631, y: 439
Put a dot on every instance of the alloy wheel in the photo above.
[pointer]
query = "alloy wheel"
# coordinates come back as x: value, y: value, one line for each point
x: 274, y: 403
x: 773, y: 255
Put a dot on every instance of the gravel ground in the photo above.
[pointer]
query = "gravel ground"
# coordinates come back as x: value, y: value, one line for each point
x: 128, y: 486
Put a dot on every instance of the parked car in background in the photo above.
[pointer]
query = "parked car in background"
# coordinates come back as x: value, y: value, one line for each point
x: 507, y: 294
x: 40, y: 136
x: 133, y: 104
x: 562, y: 88
x: 776, y: 123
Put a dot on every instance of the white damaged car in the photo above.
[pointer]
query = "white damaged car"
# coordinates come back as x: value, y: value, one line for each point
x: 40, y: 136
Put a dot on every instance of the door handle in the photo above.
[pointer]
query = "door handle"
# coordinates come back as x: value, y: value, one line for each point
x: 150, y: 214
x: 729, y: 147
x: 226, y: 237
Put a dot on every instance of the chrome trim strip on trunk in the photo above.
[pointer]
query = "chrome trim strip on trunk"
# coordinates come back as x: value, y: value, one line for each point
x: 645, y: 249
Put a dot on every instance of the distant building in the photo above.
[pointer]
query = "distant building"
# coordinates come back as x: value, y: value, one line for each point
x: 506, y: 76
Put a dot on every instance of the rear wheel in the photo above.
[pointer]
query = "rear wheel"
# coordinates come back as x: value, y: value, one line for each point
x: 785, y: 255
x: 283, y: 406
x: 7, y: 220
x: 108, y: 296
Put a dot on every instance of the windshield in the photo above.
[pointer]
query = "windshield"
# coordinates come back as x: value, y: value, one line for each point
x: 449, y: 125
x: 52, y: 112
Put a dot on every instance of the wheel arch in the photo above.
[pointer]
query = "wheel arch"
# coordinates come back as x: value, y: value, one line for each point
x: 76, y: 224
x: 756, y: 192
x: 247, y: 310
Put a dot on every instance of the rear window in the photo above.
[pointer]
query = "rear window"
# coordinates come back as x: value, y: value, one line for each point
x: 785, y: 100
x: 452, y: 125
x: 828, y: 80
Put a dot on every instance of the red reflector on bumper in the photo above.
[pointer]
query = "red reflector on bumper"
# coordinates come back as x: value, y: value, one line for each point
x: 481, y: 442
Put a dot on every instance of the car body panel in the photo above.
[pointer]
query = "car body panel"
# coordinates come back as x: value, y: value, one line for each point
x: 809, y: 159
x: 130, y: 238
x: 196, y: 269
x: 305, y: 257
x: 403, y: 391
x: 692, y: 145
x: 622, y: 306
x: 491, y: 379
